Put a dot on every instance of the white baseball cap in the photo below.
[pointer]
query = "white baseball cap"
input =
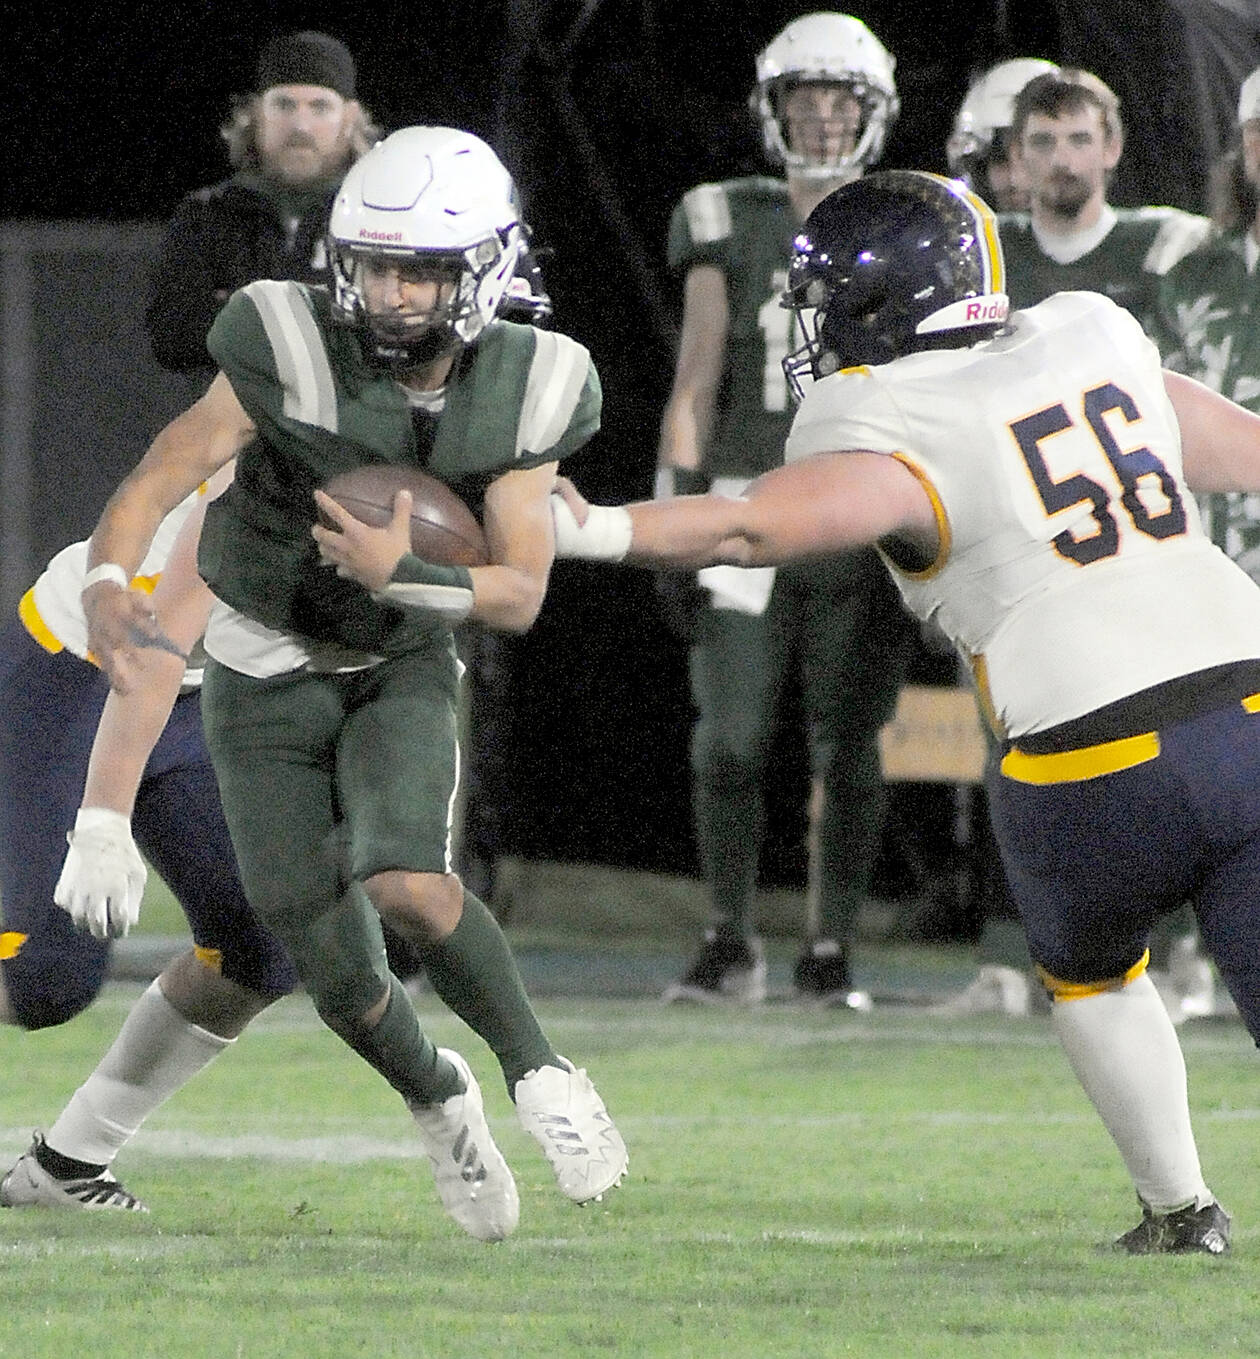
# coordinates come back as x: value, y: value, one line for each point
x: 1249, y: 98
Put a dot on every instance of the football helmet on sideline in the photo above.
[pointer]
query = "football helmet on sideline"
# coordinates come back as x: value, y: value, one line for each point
x: 435, y: 197
x: 833, y: 49
x: 895, y: 262
x: 983, y: 122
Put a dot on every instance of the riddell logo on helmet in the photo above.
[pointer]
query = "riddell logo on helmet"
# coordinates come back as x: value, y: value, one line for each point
x: 992, y: 310
x: 366, y: 235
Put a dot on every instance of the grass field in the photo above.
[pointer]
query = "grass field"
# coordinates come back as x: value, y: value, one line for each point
x: 802, y: 1184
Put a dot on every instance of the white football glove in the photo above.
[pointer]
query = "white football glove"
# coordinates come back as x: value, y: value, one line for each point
x: 102, y: 879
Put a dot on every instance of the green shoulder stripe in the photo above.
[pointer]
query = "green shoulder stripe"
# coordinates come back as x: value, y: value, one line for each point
x: 301, y: 358
x: 562, y: 398
x: 266, y: 336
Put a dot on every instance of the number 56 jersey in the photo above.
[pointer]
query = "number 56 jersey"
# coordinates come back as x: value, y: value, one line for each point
x: 1073, y: 569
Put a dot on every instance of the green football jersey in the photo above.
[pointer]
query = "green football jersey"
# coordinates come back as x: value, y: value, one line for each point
x: 1126, y: 265
x: 744, y: 227
x: 1210, y: 302
x: 518, y: 398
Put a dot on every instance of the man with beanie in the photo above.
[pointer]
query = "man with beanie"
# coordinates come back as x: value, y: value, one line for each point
x: 290, y: 144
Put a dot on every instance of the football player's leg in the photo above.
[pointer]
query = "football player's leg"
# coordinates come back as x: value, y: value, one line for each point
x: 178, y: 822
x: 733, y: 687
x: 398, y: 766
x: 273, y: 743
x: 400, y: 833
x: 1227, y: 905
x: 734, y: 690
x: 202, y: 1000
x: 856, y: 642
x: 1089, y: 880
x: 49, y: 708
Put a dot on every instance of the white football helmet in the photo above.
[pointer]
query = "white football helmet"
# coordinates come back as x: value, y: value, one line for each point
x: 985, y: 115
x: 440, y: 197
x: 1249, y: 98
x: 831, y: 48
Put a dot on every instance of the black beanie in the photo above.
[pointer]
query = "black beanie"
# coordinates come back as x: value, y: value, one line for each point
x: 307, y: 59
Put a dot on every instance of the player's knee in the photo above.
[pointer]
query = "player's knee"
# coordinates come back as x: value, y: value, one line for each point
x: 44, y: 996
x: 726, y: 764
x: 422, y: 907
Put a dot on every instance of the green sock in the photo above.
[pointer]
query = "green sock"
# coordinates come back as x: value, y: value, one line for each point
x: 401, y: 1052
x: 473, y: 972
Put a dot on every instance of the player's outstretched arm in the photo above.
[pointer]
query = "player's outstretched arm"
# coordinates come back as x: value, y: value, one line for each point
x: 189, y: 451
x: 831, y: 502
x: 102, y: 880
x: 1220, y: 440
x: 132, y: 722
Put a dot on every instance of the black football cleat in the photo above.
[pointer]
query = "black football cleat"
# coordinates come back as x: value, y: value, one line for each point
x: 1184, y: 1231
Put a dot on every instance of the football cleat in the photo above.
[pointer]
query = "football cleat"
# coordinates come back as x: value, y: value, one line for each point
x: 29, y: 1185
x: 473, y: 1180
x: 1188, y: 987
x: 562, y: 1111
x: 725, y: 969
x: 1184, y: 1231
x: 821, y: 976
x: 995, y: 990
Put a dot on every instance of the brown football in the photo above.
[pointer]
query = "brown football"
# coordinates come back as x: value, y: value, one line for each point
x: 443, y: 529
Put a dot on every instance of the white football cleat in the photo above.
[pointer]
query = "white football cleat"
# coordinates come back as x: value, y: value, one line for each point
x: 473, y: 1180
x: 29, y: 1185
x: 561, y: 1110
x: 995, y: 990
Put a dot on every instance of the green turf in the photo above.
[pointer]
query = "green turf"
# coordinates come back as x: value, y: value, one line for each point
x: 802, y: 1184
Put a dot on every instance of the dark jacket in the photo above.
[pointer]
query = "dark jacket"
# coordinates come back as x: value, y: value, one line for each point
x: 219, y: 239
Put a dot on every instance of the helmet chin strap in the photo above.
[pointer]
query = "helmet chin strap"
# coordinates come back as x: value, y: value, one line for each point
x: 404, y: 353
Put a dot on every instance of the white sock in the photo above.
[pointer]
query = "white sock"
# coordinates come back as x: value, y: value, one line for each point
x: 1125, y: 1053
x: 156, y: 1052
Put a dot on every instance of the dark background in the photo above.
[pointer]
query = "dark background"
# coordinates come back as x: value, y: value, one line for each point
x: 606, y: 113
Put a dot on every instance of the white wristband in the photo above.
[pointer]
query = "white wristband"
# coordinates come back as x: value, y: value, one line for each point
x: 605, y: 537
x: 106, y: 571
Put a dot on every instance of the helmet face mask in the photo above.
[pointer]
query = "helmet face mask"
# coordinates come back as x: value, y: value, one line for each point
x: 894, y: 263
x: 836, y: 51
x: 427, y: 205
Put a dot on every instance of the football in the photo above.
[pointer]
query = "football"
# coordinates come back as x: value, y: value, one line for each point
x: 443, y: 529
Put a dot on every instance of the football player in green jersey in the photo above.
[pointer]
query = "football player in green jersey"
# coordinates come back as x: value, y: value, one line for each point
x: 329, y: 699
x: 1210, y: 300
x: 826, y: 98
x: 1066, y: 141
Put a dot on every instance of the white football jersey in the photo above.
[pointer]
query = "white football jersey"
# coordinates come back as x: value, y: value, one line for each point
x: 1073, y: 568
x: 55, y: 595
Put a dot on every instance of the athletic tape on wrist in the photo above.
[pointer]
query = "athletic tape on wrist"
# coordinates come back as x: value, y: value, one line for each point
x: 107, y: 571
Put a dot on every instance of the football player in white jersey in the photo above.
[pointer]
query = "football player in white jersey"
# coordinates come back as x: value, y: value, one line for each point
x: 158, y: 781
x: 1028, y: 480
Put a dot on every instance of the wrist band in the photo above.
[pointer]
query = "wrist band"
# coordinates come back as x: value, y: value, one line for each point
x: 106, y: 571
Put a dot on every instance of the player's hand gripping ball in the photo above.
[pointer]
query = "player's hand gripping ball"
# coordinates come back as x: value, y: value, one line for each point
x: 443, y: 529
